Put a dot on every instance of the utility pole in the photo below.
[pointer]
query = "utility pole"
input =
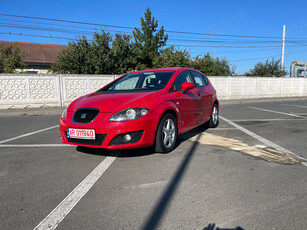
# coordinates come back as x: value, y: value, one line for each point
x: 283, y: 48
x: 215, y: 49
x: 214, y: 52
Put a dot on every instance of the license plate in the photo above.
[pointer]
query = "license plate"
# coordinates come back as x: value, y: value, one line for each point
x: 81, y: 133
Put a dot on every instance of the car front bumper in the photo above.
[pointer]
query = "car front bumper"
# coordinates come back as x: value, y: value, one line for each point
x: 111, y: 135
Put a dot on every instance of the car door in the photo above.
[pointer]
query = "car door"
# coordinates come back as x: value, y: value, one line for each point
x: 205, y: 96
x: 186, y: 102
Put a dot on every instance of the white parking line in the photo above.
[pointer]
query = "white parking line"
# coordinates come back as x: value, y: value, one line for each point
x: 274, y: 119
x: 222, y: 129
x: 59, y: 213
x: 300, y: 106
x: 265, y: 141
x: 28, y: 134
x: 272, y: 111
x: 34, y: 145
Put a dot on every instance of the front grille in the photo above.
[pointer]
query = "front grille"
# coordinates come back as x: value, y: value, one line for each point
x: 98, y: 141
x: 85, y: 116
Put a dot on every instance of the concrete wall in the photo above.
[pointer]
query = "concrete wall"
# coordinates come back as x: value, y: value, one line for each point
x: 20, y: 91
x: 229, y: 88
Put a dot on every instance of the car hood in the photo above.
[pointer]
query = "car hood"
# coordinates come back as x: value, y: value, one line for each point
x: 110, y: 102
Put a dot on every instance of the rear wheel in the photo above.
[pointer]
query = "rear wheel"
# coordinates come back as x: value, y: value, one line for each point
x: 167, y: 133
x: 214, y: 119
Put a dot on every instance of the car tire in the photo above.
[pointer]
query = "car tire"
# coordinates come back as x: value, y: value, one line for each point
x: 214, y: 117
x: 166, y: 135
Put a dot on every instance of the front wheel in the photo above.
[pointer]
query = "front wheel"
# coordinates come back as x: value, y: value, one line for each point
x: 214, y: 118
x: 167, y: 133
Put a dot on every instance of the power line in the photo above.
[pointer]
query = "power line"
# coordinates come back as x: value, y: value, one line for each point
x: 87, y: 28
x: 250, y: 59
x: 128, y: 27
x: 45, y: 28
x: 303, y: 43
x: 33, y: 35
x: 44, y: 23
x: 20, y: 26
x: 177, y: 45
x: 67, y: 21
x: 231, y: 46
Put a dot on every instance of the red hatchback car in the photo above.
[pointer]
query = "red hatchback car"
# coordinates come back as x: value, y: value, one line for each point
x: 141, y: 109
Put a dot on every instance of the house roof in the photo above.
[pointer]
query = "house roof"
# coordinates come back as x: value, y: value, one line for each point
x: 37, y: 52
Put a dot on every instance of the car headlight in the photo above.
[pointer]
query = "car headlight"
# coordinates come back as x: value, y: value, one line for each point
x: 64, y: 113
x: 129, y: 114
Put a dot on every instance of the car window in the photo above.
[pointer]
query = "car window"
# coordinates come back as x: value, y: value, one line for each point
x: 206, y: 79
x: 199, y: 80
x: 184, y: 76
x: 144, y: 81
x: 151, y: 81
x: 128, y: 84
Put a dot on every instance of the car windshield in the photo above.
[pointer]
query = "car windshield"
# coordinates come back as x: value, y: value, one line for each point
x: 145, y: 81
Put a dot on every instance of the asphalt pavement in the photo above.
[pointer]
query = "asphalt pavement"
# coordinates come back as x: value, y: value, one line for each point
x: 249, y: 173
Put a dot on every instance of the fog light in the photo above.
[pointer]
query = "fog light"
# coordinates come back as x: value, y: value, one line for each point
x: 127, y: 137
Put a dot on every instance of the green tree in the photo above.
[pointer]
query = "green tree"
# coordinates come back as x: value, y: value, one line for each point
x: 98, y: 56
x: 171, y: 57
x: 267, y: 69
x: 148, y: 41
x: 105, y: 55
x: 121, y: 54
x: 100, y: 53
x: 213, y: 66
x: 75, y: 59
x: 10, y: 59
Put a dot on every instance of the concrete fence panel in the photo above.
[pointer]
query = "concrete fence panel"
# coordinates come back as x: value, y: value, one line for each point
x: 24, y: 91
x: 74, y: 86
x: 221, y: 86
x: 243, y: 88
x: 268, y: 87
x: 20, y: 91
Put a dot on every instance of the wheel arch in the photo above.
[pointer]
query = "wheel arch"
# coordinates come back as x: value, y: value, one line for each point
x: 168, y: 111
x: 215, y: 101
x: 157, y: 142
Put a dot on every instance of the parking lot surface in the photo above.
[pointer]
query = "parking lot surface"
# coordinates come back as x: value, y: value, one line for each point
x: 249, y: 173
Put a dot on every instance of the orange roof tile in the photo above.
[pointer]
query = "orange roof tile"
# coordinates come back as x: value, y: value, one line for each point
x: 37, y: 52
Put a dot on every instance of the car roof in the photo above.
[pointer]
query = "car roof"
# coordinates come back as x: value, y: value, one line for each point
x: 161, y: 69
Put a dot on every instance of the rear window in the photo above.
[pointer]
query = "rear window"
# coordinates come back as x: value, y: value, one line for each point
x: 199, y: 79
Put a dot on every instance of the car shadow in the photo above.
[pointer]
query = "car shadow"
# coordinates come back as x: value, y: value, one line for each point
x: 213, y: 227
x: 154, y: 218
x: 143, y: 151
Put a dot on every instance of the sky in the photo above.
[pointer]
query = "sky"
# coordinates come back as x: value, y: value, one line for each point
x: 257, y: 26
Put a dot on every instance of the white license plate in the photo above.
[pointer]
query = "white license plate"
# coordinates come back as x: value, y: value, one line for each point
x: 81, y: 133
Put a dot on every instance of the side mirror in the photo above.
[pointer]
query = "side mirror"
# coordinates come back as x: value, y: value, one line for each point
x: 187, y: 86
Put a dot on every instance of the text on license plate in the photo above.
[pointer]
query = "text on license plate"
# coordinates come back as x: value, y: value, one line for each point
x: 81, y: 133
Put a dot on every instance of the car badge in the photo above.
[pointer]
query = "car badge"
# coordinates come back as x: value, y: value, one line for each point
x: 83, y: 115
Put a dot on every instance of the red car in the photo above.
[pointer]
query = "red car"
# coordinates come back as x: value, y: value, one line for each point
x: 141, y: 109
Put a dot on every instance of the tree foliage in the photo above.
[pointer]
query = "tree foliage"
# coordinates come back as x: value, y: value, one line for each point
x: 212, y: 66
x: 75, y: 59
x: 267, y: 69
x: 122, y: 53
x: 171, y: 57
x: 102, y: 55
x: 10, y: 59
x: 148, y: 41
x: 84, y: 57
